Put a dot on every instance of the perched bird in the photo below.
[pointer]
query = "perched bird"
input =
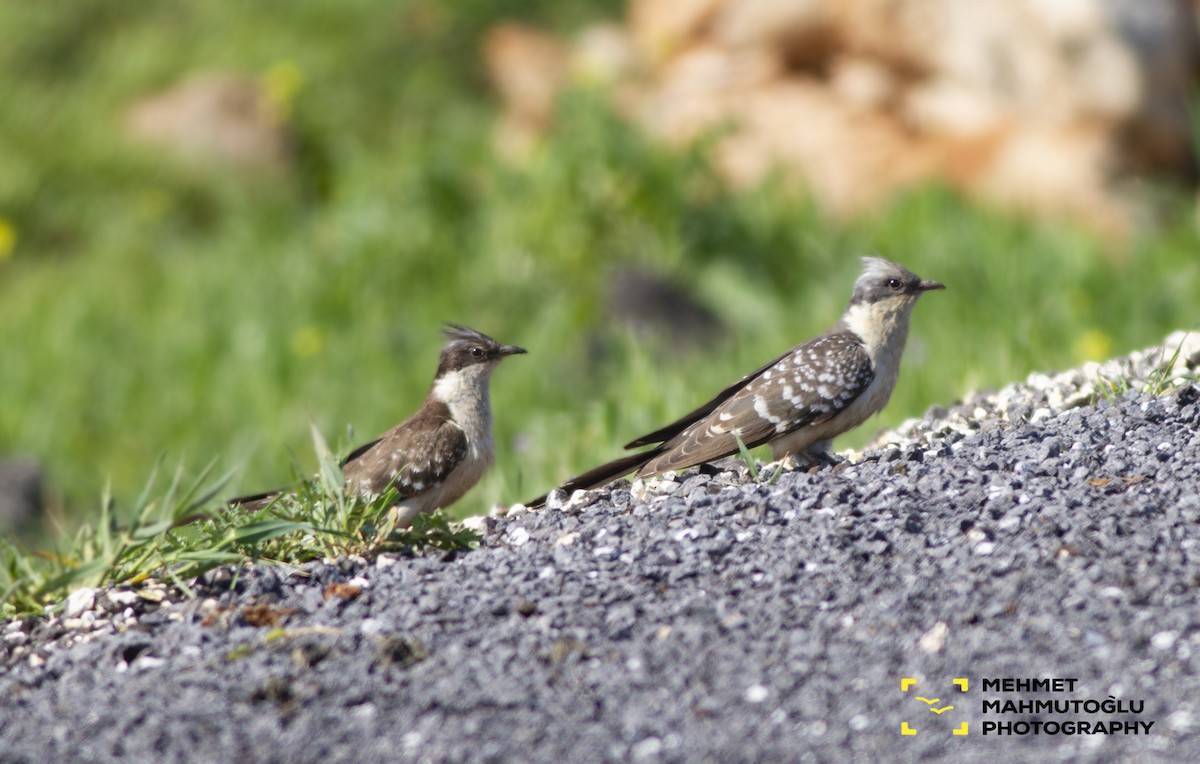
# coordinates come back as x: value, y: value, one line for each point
x: 440, y: 452
x: 801, y: 400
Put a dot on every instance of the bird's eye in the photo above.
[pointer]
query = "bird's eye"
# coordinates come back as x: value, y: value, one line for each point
x: 894, y: 283
x: 477, y: 351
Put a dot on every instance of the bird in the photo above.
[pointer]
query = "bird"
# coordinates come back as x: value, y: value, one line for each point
x: 440, y: 452
x: 801, y: 400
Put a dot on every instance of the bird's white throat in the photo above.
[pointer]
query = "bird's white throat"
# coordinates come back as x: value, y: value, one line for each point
x: 466, y: 392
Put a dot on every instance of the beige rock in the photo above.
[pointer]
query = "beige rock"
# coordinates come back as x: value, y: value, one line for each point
x: 1055, y: 171
x: 693, y: 90
x: 863, y: 82
x: 850, y: 160
x: 662, y: 28
x: 604, y: 54
x: 801, y: 32
x: 528, y: 68
x: 1037, y: 105
x: 213, y: 118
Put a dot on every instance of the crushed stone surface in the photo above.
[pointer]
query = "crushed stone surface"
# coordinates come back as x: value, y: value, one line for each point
x: 1035, y: 533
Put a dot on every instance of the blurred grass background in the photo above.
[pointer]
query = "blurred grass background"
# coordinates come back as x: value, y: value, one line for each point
x: 152, y: 307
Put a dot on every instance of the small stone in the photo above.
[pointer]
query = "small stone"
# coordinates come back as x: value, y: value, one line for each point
x: 581, y: 499
x: 525, y: 608
x: 639, y: 490
x: 152, y: 595
x: 932, y: 641
x: 122, y: 598
x: 478, y: 523
x: 78, y: 601
x: 517, y: 536
x: 668, y: 488
x: 756, y: 693
x: 1182, y: 720
x: 147, y: 662
x: 647, y: 748
x: 1164, y: 640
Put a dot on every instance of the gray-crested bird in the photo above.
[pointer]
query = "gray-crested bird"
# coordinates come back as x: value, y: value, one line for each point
x: 439, y: 453
x: 800, y: 401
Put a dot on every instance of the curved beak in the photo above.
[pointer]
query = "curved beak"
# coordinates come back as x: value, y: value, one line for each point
x: 930, y: 286
x: 507, y: 350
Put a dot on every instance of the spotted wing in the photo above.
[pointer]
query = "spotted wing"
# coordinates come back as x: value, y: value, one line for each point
x: 810, y: 385
x: 418, y: 454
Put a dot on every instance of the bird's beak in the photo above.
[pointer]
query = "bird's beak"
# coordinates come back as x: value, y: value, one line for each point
x: 930, y: 286
x: 507, y: 350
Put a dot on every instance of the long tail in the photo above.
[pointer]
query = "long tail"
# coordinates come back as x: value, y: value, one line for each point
x: 256, y: 501
x: 602, y: 475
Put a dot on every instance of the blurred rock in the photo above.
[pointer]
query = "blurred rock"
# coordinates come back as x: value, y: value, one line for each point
x: 649, y: 303
x: 21, y: 501
x: 214, y: 118
x: 662, y: 28
x: 604, y: 54
x: 1039, y: 106
x: 528, y: 67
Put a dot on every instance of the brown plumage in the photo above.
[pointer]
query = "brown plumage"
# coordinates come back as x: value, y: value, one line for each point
x: 799, y: 401
x: 440, y: 452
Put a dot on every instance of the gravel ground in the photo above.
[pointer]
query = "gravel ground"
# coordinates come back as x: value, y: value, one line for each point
x: 1029, y: 534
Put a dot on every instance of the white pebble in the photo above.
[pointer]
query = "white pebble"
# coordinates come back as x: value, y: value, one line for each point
x: 646, y: 749
x: 79, y: 601
x: 1164, y: 640
x: 757, y: 693
x: 932, y: 641
x: 476, y: 523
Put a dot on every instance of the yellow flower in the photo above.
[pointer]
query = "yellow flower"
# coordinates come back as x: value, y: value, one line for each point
x: 282, y: 82
x: 8, y: 239
x: 307, y: 342
x: 1093, y: 345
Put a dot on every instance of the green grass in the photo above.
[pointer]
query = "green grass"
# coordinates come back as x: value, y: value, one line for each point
x: 177, y: 533
x: 155, y: 310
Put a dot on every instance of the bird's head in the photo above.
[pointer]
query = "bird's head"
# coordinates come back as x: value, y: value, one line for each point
x: 888, y: 285
x: 471, y: 352
x: 883, y: 299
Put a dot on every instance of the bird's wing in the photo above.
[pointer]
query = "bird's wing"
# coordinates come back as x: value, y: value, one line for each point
x: 810, y: 385
x: 414, y: 456
x: 687, y: 420
x: 365, y: 447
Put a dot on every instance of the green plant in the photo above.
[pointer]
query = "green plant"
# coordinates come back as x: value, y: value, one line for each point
x: 747, y: 458
x: 186, y: 531
x: 1159, y: 381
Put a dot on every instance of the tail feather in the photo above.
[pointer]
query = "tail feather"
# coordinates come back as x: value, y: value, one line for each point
x: 602, y: 475
x: 256, y: 501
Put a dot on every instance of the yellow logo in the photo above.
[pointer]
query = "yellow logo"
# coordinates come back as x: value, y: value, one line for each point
x: 907, y: 683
